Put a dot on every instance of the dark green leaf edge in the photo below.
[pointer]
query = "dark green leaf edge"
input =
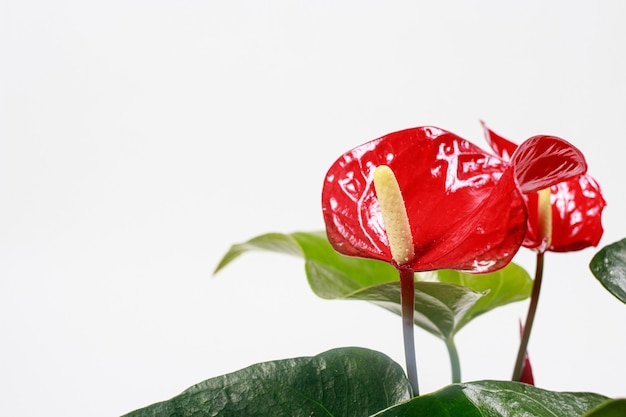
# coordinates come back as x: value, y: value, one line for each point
x: 609, y: 267
x: 496, y: 399
x: 350, y: 382
x: 609, y: 408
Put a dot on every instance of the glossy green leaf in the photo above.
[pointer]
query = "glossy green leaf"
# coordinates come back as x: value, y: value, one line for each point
x: 496, y: 399
x: 439, y: 306
x: 442, y: 308
x: 609, y: 267
x: 340, y: 382
x: 609, y: 408
x: 508, y: 285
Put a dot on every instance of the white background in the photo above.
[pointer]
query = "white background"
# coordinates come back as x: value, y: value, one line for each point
x: 140, y: 139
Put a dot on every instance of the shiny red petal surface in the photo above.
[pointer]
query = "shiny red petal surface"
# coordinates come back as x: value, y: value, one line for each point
x: 504, y: 148
x: 542, y: 161
x: 465, y: 210
x: 576, y: 215
x: 577, y: 206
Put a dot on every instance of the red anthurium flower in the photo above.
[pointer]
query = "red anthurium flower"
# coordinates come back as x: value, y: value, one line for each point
x: 576, y: 204
x: 465, y: 207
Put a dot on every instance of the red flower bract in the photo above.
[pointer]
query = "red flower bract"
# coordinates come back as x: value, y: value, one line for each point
x: 465, y: 207
x: 577, y: 206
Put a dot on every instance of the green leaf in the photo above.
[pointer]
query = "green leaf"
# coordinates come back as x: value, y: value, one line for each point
x: 331, y: 275
x: 340, y: 382
x: 496, y: 399
x: 508, y: 285
x: 609, y: 408
x: 441, y: 308
x: 609, y: 267
x: 338, y: 274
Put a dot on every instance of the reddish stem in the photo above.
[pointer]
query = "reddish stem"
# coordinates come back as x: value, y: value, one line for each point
x: 407, y: 297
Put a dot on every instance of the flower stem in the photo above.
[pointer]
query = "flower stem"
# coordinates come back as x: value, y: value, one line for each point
x: 532, y: 308
x: 455, y: 363
x: 407, y: 297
